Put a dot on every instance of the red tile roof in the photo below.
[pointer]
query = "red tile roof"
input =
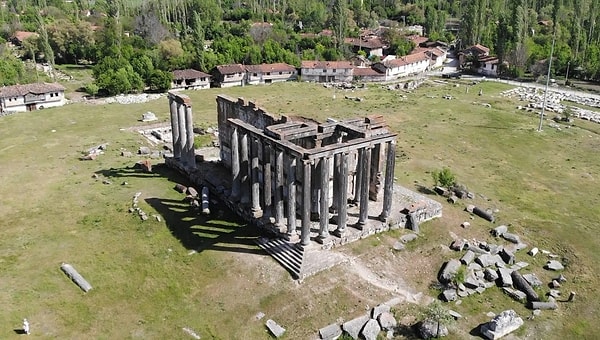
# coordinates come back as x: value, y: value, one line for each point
x: 231, y: 69
x: 189, y: 74
x: 366, y: 71
x: 480, y: 48
x: 407, y: 60
x: 22, y: 35
x: 488, y: 59
x: 264, y: 68
x: 35, y: 88
x: 326, y: 64
x: 371, y: 42
x: 417, y: 39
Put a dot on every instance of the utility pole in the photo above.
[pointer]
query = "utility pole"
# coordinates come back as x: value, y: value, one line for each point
x: 547, y: 78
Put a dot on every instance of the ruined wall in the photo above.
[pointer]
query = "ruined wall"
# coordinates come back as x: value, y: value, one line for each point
x: 246, y: 111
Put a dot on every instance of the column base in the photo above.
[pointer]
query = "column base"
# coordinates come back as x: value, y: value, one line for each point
x: 338, y: 232
x: 292, y: 238
x: 257, y: 212
x: 360, y: 225
x: 322, y: 239
x: 384, y: 218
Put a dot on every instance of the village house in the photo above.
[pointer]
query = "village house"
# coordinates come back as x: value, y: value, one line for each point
x: 327, y: 71
x: 404, y: 66
x: 367, y: 74
x: 190, y: 79
x: 270, y: 73
x: 437, y: 56
x: 372, y: 45
x: 19, y: 37
x: 488, y: 66
x: 228, y: 75
x: 30, y: 97
x: 473, y: 53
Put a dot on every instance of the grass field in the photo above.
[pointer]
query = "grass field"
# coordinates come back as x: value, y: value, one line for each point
x: 153, y: 278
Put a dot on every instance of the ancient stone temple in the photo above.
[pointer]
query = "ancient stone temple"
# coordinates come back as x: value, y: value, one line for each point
x: 293, y: 172
x: 312, y: 186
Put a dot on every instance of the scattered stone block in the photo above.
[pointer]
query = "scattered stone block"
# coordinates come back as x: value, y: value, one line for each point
x: 330, y: 332
x: 505, y: 278
x: 74, y: 275
x: 501, y: 325
x: 191, y: 333
x: 454, y: 314
x: 487, y: 260
x: 181, y: 188
x: 490, y: 274
x: 440, y: 190
x: 533, y: 252
x: 377, y: 310
x: 371, y: 330
x: 484, y: 214
x: 521, y: 284
x: 126, y: 154
x: 144, y: 150
x: 519, y: 265
x: 554, y: 265
x: 555, y: 293
x: 480, y: 290
x: 543, y: 305
x: 192, y: 192
x: 458, y: 245
x: 449, y: 295
x: 354, y: 326
x: 449, y: 270
x: 387, y: 322
x: 533, y: 280
x: 468, y: 257
x: 471, y: 282
x: 275, y: 328
x: 499, y: 230
x: 430, y: 329
x: 507, y: 256
x: 511, y: 238
x: 408, y: 238
x: 452, y: 199
x: 465, y: 224
x: 515, y: 294
x: 398, y: 246
x: 259, y: 316
x: 554, y: 284
x: 561, y: 278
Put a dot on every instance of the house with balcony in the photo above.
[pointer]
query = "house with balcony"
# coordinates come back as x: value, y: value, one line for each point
x: 31, y: 97
x: 327, y: 71
x: 270, y: 73
x: 190, y: 79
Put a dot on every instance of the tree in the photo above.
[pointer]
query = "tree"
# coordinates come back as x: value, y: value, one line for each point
x: 92, y: 89
x: 444, y: 177
x: 339, y: 22
x: 160, y: 80
x: 437, y: 312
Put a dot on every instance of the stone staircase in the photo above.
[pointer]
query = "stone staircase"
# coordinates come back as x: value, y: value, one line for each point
x: 289, y: 255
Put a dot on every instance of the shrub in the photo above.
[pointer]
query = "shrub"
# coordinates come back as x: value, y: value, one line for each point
x: 444, y: 177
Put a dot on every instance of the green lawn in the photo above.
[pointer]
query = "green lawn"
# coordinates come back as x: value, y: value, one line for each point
x: 153, y: 278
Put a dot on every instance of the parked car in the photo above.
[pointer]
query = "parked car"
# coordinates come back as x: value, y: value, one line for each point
x: 454, y: 75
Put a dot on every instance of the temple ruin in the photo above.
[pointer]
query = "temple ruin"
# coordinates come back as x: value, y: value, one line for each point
x: 312, y: 185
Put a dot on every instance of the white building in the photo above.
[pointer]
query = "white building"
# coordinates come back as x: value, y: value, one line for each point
x: 270, y: 73
x: 190, y: 79
x: 488, y: 66
x: 327, y: 71
x: 30, y: 97
x: 404, y: 66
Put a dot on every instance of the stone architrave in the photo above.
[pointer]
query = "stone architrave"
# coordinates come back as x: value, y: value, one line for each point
x: 371, y: 330
x: 354, y: 326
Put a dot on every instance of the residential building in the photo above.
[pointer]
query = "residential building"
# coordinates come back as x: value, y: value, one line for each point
x: 404, y: 66
x: 488, y: 66
x: 190, y: 79
x: 372, y: 45
x: 327, y: 71
x: 19, y: 37
x: 270, y: 73
x: 30, y: 97
x: 229, y: 75
x: 367, y: 74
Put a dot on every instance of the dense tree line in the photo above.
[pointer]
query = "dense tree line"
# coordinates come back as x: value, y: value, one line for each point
x: 136, y: 44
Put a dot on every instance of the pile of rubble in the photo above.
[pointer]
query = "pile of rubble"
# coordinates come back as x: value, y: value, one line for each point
x: 535, y: 97
x: 133, y: 98
x: 197, y: 202
x: 485, y: 265
x: 93, y: 152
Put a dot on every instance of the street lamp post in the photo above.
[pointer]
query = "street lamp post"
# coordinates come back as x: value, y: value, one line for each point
x: 547, y: 78
x: 567, y: 76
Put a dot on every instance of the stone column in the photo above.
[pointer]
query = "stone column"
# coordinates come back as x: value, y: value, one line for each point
x: 342, y: 196
x: 388, y: 186
x: 235, y: 166
x: 182, y: 132
x: 191, y: 150
x: 365, y: 171
x: 175, y: 128
x: 291, y: 199
x: 358, y: 176
x: 256, y: 210
x: 306, y: 202
x: 267, y: 193
x: 314, y: 206
x: 244, y: 168
x: 375, y: 183
x: 337, y: 165
x: 324, y: 199
x: 279, y: 214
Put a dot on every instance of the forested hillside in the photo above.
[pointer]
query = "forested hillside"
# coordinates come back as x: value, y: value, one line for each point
x: 135, y: 44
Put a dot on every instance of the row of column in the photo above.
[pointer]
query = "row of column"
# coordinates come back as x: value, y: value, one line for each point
x: 267, y: 195
x: 182, y: 130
